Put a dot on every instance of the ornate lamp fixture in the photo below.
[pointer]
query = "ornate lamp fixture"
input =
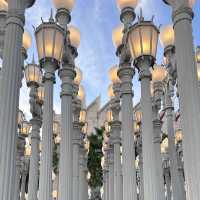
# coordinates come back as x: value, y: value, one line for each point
x: 33, y: 75
x: 25, y: 128
x: 110, y: 91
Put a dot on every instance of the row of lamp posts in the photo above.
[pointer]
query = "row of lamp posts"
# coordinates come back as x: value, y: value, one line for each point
x: 138, y: 44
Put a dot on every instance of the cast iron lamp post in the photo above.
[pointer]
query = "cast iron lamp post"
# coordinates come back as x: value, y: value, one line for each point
x: 158, y: 75
x: 67, y: 75
x: 24, y: 128
x: 167, y: 40
x: 33, y: 76
x: 125, y: 74
x: 49, y: 39
x: 142, y: 40
x: 116, y: 131
x: 76, y: 135
x: 188, y: 92
x: 11, y: 71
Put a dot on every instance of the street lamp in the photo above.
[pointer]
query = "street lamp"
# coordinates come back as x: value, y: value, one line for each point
x: 25, y: 128
x: 3, y: 5
x: 79, y: 76
x: 167, y: 38
x: 49, y: 39
x: 33, y: 75
x: 142, y: 40
x: 126, y: 73
x: 198, y: 62
x: 113, y: 74
x: 117, y: 36
x: 110, y: 91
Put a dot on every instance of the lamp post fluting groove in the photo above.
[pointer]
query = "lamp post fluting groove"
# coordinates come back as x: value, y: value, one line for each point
x: 188, y: 94
x: 11, y: 72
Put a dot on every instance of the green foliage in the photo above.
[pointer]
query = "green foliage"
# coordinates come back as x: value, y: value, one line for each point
x: 94, y: 159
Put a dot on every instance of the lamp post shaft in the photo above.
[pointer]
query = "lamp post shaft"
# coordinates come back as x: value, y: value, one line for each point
x: 157, y: 152
x: 11, y: 72
x: 34, y: 160
x: 76, y: 150
x: 116, y: 141
x: 149, y: 171
x: 177, y: 189
x: 128, y: 169
x: 67, y: 75
x: 45, y: 184
x: 111, y: 172
x: 189, y: 98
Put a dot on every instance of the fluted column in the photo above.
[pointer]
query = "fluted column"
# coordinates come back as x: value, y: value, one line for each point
x: 106, y: 174
x: 111, y: 172
x: 149, y: 169
x: 157, y: 152
x: 139, y: 149
x: 128, y: 168
x: 24, y: 176
x: 10, y: 94
x: 19, y: 156
x: 67, y: 75
x: 81, y: 174
x: 34, y: 160
x: 188, y: 95
x: 45, y: 184
x: 178, y: 191
x: 85, y: 178
x: 116, y: 141
x: 76, y: 149
x: 167, y: 176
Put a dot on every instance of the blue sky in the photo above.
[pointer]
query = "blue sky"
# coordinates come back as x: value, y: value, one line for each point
x: 96, y: 19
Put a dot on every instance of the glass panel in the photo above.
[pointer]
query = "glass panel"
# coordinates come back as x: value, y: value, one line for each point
x: 39, y: 42
x: 49, y: 36
x: 58, y: 45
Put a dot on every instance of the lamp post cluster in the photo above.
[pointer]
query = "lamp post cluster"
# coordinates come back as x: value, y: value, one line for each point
x: 133, y: 141
x: 57, y: 45
x: 137, y: 46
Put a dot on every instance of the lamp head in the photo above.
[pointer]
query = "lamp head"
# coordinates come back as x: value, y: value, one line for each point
x: 79, y: 76
x: 27, y: 40
x: 33, y: 74
x: 143, y: 40
x: 159, y: 73
x: 74, y: 36
x: 66, y: 4
x: 3, y: 5
x: 167, y: 37
x: 113, y: 74
x: 117, y: 36
x: 49, y: 40
x: 110, y: 91
x: 127, y: 4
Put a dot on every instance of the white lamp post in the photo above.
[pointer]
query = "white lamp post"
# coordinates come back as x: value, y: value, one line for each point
x: 142, y: 39
x: 67, y: 75
x: 125, y: 74
x: 158, y: 75
x: 188, y: 92
x: 115, y: 124
x: 11, y: 71
x: 33, y: 76
x: 167, y: 40
x: 49, y: 39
